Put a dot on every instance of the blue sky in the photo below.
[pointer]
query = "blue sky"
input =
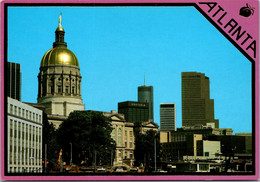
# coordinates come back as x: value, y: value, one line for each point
x: 116, y: 45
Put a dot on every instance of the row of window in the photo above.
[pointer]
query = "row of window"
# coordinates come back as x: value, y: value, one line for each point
x: 25, y: 170
x: 120, y: 155
x: 24, y: 113
x: 67, y: 90
x: 119, y: 137
x: 24, y: 143
x: 130, y: 144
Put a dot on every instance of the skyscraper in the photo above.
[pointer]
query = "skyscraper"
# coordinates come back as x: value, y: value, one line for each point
x: 167, y: 117
x: 145, y: 94
x: 134, y: 111
x: 13, y: 85
x: 197, y: 107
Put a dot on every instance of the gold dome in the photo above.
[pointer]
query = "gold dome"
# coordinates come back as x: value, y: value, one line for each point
x: 60, y: 29
x: 59, y: 55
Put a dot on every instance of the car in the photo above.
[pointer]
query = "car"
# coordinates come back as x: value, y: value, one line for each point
x: 159, y: 171
x: 120, y: 169
x: 101, y: 170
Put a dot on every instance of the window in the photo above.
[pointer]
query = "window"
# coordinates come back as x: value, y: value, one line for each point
x: 19, y: 111
x: 33, y: 116
x: 11, y: 128
x: 119, y: 136
x: 73, y: 90
x: 131, y: 133
x: 125, y: 143
x: 30, y: 115
x: 26, y: 114
x: 125, y: 155
x: 59, y: 89
x: 131, y: 155
x: 67, y: 89
x: 23, y: 113
x: 52, y: 89
x: 125, y: 133
x: 11, y: 108
x: 36, y: 117
x: 131, y: 144
x: 206, y: 153
x: 15, y: 110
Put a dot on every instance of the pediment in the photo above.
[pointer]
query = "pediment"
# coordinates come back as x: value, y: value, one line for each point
x: 115, y: 118
x: 150, y: 124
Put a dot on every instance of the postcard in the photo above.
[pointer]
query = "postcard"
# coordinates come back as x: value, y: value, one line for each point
x: 130, y: 90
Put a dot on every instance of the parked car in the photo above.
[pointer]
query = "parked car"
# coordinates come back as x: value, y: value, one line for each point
x: 101, y: 170
x: 121, y: 169
x: 159, y: 171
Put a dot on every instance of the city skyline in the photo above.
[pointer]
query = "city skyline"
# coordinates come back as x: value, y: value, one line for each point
x: 112, y: 62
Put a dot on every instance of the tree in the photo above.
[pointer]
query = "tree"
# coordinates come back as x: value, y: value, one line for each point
x: 144, y: 147
x: 49, y: 137
x: 89, y: 132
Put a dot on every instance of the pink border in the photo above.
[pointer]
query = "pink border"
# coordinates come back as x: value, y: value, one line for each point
x: 234, y: 177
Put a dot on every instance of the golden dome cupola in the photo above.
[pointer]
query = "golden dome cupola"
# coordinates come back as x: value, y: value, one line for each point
x: 59, y: 80
x: 59, y: 54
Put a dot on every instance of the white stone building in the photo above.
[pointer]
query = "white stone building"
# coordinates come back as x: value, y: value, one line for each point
x: 24, y: 138
x: 123, y: 134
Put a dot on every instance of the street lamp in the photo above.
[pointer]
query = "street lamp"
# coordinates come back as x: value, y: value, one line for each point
x: 70, y: 153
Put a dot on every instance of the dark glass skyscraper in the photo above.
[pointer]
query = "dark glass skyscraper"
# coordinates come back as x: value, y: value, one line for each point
x: 197, y: 107
x: 145, y: 94
x: 13, y: 81
x: 134, y: 111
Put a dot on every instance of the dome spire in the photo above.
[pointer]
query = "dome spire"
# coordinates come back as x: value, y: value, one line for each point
x: 59, y: 35
x: 60, y: 20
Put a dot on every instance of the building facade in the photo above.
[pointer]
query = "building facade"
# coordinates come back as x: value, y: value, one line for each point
x: 13, y: 84
x: 59, y: 80
x: 24, y: 138
x: 145, y: 94
x: 167, y: 117
x: 123, y: 134
x: 197, y: 107
x: 134, y: 111
x: 184, y: 141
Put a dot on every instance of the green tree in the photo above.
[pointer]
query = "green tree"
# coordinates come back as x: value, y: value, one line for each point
x: 144, y: 147
x: 49, y: 137
x: 89, y: 132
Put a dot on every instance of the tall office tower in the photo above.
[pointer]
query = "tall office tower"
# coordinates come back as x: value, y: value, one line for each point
x: 13, y: 85
x: 197, y: 107
x: 134, y: 111
x: 145, y: 94
x: 167, y: 117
